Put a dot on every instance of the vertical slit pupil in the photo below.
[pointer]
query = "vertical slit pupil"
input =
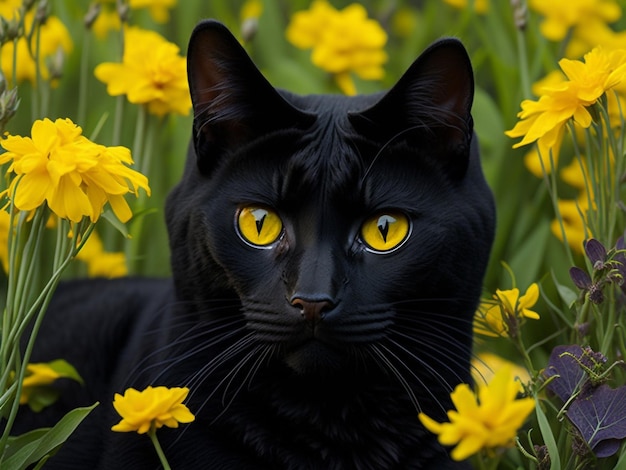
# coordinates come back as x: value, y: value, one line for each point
x: 259, y: 218
x: 383, y: 226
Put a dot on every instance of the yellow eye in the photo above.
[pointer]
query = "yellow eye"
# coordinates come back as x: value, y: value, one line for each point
x: 385, y: 231
x: 259, y: 226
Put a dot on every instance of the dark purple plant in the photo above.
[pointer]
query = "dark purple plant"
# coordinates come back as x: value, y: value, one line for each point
x: 600, y: 418
x: 597, y: 411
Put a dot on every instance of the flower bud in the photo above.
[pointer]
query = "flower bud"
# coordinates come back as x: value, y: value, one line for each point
x: 55, y: 63
x: 92, y: 15
x: 41, y: 16
x: 520, y: 13
x: 249, y: 28
x: 9, y: 102
x: 123, y: 10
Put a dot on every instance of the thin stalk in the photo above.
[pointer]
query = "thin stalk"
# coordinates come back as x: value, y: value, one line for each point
x: 37, y: 311
x: 158, y: 448
x: 83, y: 79
x: 141, y: 159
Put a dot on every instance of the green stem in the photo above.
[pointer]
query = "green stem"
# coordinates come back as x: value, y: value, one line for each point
x: 157, y: 447
x: 119, y: 104
x: 140, y: 130
x: 117, y: 121
x: 37, y: 112
x: 83, y: 81
x: 37, y: 311
x: 41, y: 305
x: 141, y: 158
x: 522, y: 54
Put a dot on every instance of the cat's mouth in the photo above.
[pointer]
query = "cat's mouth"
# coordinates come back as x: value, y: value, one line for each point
x: 315, y: 356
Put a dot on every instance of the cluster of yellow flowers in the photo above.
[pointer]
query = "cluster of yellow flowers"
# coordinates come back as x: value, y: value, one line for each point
x: 488, y: 419
x: 543, y: 121
x: 52, y: 39
x: 101, y: 263
x: 585, y: 22
x: 58, y: 168
x: 151, y: 73
x: 74, y: 176
x: 342, y: 42
x: 501, y: 316
x: 565, y: 98
x: 108, y: 18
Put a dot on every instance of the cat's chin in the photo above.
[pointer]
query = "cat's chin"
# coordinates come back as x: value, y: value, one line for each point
x: 316, y: 358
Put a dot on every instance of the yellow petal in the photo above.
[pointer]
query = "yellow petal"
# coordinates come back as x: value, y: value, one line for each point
x: 467, y: 447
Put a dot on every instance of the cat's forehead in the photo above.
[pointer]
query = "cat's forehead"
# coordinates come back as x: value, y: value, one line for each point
x: 339, y: 106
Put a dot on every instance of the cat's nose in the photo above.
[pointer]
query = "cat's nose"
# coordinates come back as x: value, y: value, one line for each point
x: 312, y: 310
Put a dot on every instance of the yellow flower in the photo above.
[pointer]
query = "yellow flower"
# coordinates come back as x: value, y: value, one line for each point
x: 251, y: 9
x: 343, y: 42
x: 572, y: 212
x: 152, y: 73
x: 107, y: 20
x: 38, y: 375
x: 560, y: 16
x: 75, y: 176
x: 480, y: 6
x: 54, y: 36
x: 486, y: 364
x: 35, y: 390
x: 574, y: 175
x: 514, y: 305
x: 306, y: 28
x: 592, y: 35
x: 9, y: 9
x: 544, y: 120
x: 159, y: 9
x: 101, y: 263
x: 488, y: 419
x: 501, y: 316
x: 153, y: 407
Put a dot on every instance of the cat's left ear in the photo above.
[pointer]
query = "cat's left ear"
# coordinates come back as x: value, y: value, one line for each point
x: 432, y: 100
x: 232, y: 102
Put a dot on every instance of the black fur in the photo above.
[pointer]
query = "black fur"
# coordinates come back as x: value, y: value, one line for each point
x: 272, y: 385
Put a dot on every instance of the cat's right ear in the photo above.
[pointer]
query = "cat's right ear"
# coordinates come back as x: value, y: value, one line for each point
x: 232, y: 102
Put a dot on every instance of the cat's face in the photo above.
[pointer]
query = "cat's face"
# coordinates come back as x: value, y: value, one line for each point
x: 350, y: 229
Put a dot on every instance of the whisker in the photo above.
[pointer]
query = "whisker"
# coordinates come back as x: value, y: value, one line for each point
x: 199, y: 331
x: 415, y: 376
x: 396, y: 373
x: 427, y: 365
x: 225, y: 355
x: 199, y: 348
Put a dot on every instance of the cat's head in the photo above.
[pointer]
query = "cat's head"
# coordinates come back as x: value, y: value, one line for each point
x: 347, y: 229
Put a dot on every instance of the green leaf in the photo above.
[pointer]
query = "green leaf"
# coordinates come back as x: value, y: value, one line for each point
x: 110, y: 217
x: 42, y: 397
x: 31, y: 447
x: 19, y: 442
x: 567, y: 294
x: 527, y: 259
x: 65, y: 370
x: 548, y: 437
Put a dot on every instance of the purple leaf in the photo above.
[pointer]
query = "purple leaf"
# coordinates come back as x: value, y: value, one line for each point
x: 600, y: 417
x: 580, y: 277
x: 570, y: 375
x: 596, y: 253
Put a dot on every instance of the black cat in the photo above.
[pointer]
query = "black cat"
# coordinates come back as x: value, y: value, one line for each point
x: 327, y: 256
